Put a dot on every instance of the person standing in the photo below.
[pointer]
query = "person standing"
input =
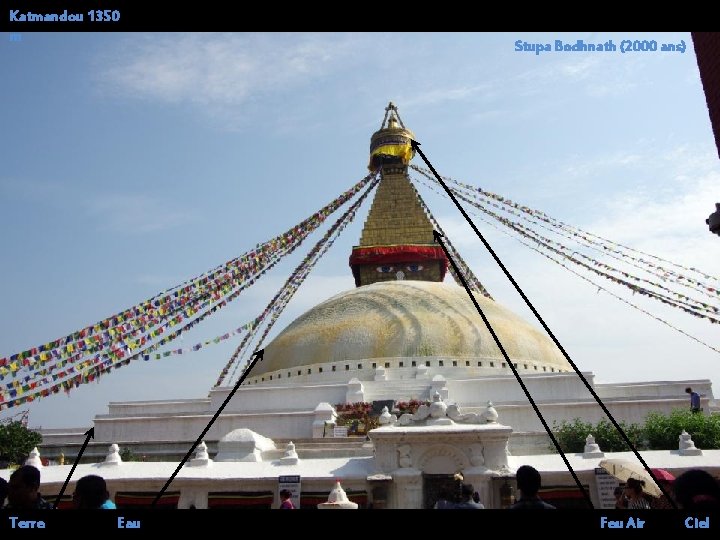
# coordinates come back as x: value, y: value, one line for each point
x: 23, y: 490
x: 697, y: 490
x: 528, y: 482
x: 635, y: 496
x: 466, y: 499
x: 694, y: 400
x: 286, y: 500
x: 91, y: 493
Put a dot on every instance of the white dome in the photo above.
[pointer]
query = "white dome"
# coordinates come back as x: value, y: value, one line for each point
x: 406, y: 319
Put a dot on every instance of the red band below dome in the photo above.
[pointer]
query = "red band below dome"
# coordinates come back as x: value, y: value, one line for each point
x: 395, y: 254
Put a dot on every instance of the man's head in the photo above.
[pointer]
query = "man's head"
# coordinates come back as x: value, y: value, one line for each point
x: 90, y: 492
x: 697, y: 489
x: 528, y: 480
x: 688, y: 390
x: 285, y: 494
x: 467, y: 491
x: 23, y: 487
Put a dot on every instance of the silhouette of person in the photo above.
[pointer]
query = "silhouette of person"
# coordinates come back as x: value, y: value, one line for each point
x: 528, y: 482
x: 91, y: 493
x: 23, y: 492
x: 697, y: 490
x: 466, y: 499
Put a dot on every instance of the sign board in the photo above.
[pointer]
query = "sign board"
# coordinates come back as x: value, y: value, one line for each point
x: 605, y: 484
x: 292, y: 484
x: 340, y: 431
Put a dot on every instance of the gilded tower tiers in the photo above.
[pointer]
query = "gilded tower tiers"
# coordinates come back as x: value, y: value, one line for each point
x: 397, y: 239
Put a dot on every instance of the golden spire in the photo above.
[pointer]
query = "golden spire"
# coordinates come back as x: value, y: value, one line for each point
x: 397, y: 238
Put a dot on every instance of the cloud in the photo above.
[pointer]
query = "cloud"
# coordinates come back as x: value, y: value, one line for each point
x: 598, y: 76
x: 221, y: 73
x: 434, y: 96
x: 672, y: 221
x: 231, y: 77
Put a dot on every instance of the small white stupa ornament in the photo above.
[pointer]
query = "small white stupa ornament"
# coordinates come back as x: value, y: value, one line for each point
x: 490, y: 414
x: 386, y: 418
x: 202, y: 458
x: 34, y: 459
x: 592, y: 449
x: 290, y: 457
x: 113, y: 455
x: 337, y: 500
x: 686, y: 446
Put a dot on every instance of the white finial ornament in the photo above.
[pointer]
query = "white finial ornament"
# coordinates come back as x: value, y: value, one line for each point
x: 202, y: 458
x: 290, y: 457
x: 113, y: 455
x: 490, y: 414
x: 686, y: 446
x: 592, y: 449
x: 338, y: 500
x: 386, y: 418
x: 34, y: 459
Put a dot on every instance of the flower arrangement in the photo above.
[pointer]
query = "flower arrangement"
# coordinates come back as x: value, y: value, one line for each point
x: 356, y: 416
x: 353, y: 411
x: 409, y: 407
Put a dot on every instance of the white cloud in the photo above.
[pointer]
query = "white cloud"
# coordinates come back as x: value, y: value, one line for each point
x: 434, y: 96
x: 220, y: 72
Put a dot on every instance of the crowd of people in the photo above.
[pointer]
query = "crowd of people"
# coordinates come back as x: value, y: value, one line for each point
x: 23, y: 492
x: 693, y: 490
x: 528, y: 483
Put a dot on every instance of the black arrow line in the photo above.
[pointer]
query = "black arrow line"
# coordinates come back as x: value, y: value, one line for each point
x: 416, y: 147
x: 90, y: 435
x: 438, y: 237
x: 258, y: 356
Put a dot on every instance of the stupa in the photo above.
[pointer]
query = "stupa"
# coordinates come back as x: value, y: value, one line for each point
x: 404, y: 332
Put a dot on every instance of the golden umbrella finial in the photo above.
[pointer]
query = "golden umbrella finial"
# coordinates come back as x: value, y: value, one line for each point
x: 391, y: 143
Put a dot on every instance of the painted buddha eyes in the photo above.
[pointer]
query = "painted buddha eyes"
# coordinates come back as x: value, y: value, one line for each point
x: 410, y: 268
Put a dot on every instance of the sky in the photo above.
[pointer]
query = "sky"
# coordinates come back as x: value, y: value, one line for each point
x: 132, y: 162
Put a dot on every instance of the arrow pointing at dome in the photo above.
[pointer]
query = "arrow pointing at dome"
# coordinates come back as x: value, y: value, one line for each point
x: 438, y: 238
x: 416, y: 146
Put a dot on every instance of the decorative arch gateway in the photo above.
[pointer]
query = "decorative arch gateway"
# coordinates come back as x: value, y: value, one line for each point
x: 440, y: 465
x: 443, y: 459
x: 423, y: 451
